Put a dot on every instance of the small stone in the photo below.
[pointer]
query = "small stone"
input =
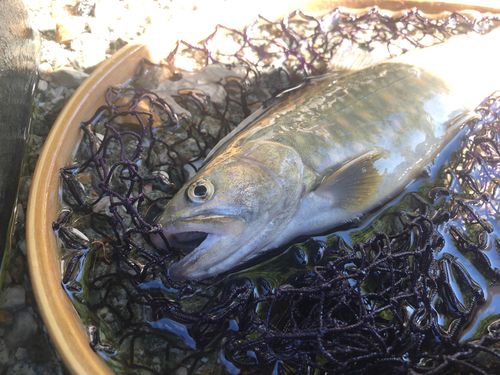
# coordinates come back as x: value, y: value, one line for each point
x: 21, y: 353
x: 69, y: 28
x: 7, y: 280
x: 142, y: 106
x: 68, y: 77
x: 20, y: 214
x: 102, y: 206
x: 27, y: 367
x: 84, y: 8
x: 45, y: 70
x: 5, y: 318
x: 51, y: 116
x: 13, y: 298
x: 23, y: 328
x: 24, y: 188
x: 6, y: 357
x: 17, y: 269
x: 181, y: 371
x: 55, y: 92
x: 22, y: 247
x: 54, y: 55
x: 115, y: 45
x: 57, y: 99
x: 43, y: 85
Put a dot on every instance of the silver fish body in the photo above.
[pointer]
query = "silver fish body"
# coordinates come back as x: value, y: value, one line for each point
x: 328, y: 155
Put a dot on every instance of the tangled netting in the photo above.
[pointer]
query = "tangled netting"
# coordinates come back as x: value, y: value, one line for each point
x: 396, y: 301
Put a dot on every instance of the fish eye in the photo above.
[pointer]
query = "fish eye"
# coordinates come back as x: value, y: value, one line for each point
x: 200, y: 191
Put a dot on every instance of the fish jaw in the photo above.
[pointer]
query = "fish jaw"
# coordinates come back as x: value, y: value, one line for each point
x: 182, y: 231
x: 224, y: 249
x: 228, y: 241
x: 215, y: 255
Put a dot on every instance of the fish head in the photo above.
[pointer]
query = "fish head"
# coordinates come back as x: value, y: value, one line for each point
x: 232, y: 208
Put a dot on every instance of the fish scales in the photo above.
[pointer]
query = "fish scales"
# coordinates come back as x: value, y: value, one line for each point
x: 324, y: 156
x: 355, y: 114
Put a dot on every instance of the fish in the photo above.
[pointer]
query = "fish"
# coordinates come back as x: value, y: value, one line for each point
x: 326, y: 155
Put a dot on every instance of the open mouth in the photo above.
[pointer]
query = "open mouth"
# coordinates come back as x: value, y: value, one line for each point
x: 189, y: 233
x: 187, y: 240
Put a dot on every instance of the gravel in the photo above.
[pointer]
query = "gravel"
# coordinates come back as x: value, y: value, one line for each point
x: 76, y: 37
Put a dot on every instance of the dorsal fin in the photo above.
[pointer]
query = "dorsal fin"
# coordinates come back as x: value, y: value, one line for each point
x: 351, y: 57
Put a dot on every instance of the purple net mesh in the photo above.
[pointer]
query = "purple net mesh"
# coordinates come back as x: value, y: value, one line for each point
x: 395, y: 301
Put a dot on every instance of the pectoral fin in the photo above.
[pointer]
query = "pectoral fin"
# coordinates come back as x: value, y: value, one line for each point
x: 355, y: 184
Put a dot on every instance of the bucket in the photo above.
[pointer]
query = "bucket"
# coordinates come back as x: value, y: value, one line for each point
x: 62, y: 321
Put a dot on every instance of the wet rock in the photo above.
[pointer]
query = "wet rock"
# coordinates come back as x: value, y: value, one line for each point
x: 24, y: 188
x: 21, y: 353
x: 84, y: 8
x: 51, y: 116
x: 6, y: 357
x: 45, y: 71
x: 69, y: 28
x: 16, y: 269
x: 41, y: 130
x: 25, y: 368
x: 68, y: 77
x: 43, y: 85
x: 5, y: 318
x: 143, y: 106
x: 115, y: 45
x: 13, y: 298
x: 92, y: 51
x: 22, y: 247
x: 7, y: 281
x: 23, y: 328
x: 56, y: 92
x: 54, y: 54
x: 299, y: 256
x: 20, y: 214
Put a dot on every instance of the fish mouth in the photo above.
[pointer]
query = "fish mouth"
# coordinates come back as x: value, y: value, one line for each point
x: 187, y: 240
x: 189, y: 233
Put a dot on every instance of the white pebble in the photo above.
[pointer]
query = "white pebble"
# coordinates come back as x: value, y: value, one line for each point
x: 43, y: 85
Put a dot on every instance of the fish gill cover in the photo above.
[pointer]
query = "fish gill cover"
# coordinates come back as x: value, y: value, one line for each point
x: 411, y: 292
